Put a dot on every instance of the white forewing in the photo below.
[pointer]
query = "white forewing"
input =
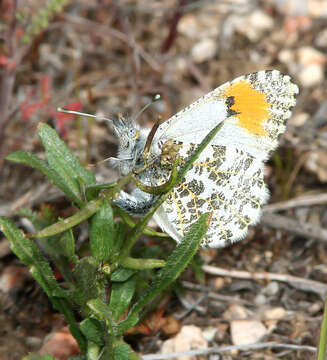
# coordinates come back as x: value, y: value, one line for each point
x: 193, y: 123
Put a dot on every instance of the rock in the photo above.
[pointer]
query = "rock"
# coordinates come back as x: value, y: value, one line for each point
x: 276, y: 313
x: 204, y: 50
x: 260, y: 299
x: 246, y: 331
x: 235, y: 312
x: 171, y: 327
x: 13, y: 277
x: 321, y: 39
x: 261, y: 21
x: 254, y: 25
x: 189, y: 26
x: 308, y: 63
x: 307, y: 55
x: 243, y: 331
x: 311, y: 75
x: 218, y: 283
x: 271, y: 289
x: 189, y: 338
x: 317, y: 163
x: 210, y: 333
x: 311, y: 66
x: 60, y: 344
x: 299, y: 119
x: 272, y: 316
x: 286, y: 56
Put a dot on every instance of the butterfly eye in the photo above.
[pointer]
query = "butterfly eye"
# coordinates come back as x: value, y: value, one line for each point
x: 133, y: 134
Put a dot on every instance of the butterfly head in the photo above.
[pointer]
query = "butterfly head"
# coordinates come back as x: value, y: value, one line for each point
x: 131, y: 143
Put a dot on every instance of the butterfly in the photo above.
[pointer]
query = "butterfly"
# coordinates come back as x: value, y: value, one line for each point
x: 227, y: 180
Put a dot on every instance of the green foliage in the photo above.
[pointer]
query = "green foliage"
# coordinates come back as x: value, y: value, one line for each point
x: 38, y: 357
x: 102, y: 234
x: 40, y: 20
x: 121, y: 296
x: 93, y: 330
x: 108, y: 287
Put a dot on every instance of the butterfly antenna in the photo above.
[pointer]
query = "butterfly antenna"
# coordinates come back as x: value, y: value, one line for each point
x: 83, y: 114
x: 155, y: 98
x: 98, y: 163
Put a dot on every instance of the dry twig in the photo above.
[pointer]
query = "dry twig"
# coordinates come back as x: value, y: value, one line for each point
x: 297, y: 282
x: 221, y: 349
x: 306, y: 230
x: 309, y: 200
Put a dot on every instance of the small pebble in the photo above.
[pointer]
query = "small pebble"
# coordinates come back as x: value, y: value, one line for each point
x: 247, y: 331
x: 204, y: 50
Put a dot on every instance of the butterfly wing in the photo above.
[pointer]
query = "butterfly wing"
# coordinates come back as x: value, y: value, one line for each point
x: 227, y: 179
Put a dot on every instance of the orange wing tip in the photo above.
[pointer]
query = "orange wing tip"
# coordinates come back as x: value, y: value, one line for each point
x: 250, y: 105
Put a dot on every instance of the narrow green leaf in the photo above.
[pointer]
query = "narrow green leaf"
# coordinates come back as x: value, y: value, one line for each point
x: 65, y: 224
x: 176, y: 263
x: 142, y: 264
x: 52, y: 174
x: 28, y: 252
x: 93, y: 330
x: 102, y: 233
x: 122, y: 351
x: 122, y: 274
x: 61, y: 248
x: 86, y: 276
x: 120, y: 237
x: 121, y: 297
x: 65, y: 173
x: 62, y: 159
x: 123, y: 326
x: 101, y: 310
x: 66, y: 245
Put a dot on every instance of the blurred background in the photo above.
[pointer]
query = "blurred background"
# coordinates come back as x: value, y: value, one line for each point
x: 105, y: 57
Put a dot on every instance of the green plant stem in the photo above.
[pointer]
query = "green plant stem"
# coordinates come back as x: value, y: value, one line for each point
x: 142, y: 264
x: 323, y: 336
x: 130, y: 222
